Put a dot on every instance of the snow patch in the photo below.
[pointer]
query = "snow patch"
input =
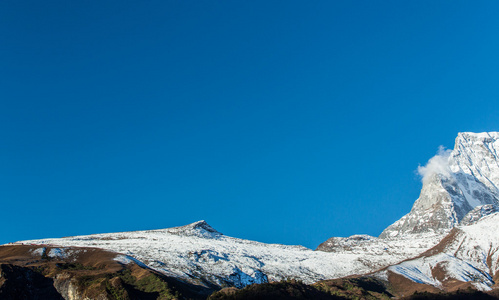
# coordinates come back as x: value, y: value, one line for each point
x: 59, y: 253
x: 38, y: 251
x: 125, y: 260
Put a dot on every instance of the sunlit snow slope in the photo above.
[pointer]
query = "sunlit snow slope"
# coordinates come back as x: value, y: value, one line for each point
x: 198, y: 254
x: 469, y: 254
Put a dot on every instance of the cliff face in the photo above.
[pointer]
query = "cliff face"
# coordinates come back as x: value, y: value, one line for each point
x: 454, y: 183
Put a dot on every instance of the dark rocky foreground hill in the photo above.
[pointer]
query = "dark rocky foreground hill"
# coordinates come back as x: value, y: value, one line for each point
x: 359, y: 288
x: 88, y: 273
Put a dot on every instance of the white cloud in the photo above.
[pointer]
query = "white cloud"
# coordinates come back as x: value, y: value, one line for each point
x: 438, y: 164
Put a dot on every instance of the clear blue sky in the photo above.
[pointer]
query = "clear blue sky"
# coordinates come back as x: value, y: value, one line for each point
x: 278, y: 121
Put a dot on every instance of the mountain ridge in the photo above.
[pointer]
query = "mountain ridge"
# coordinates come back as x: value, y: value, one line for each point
x: 431, y: 246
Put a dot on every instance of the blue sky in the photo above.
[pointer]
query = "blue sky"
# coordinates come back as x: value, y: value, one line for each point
x: 278, y: 121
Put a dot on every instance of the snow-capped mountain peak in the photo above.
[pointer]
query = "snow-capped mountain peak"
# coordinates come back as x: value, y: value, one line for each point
x: 454, y: 183
x: 199, y: 229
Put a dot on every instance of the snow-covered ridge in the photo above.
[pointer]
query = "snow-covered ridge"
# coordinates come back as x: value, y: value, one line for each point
x: 199, y: 254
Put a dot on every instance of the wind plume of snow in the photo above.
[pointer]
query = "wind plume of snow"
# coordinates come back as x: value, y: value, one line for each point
x: 438, y: 164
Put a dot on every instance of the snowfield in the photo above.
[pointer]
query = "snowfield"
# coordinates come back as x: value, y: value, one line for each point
x: 198, y: 254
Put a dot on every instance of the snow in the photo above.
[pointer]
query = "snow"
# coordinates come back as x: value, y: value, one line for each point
x: 466, y: 197
x: 470, y: 256
x: 417, y: 271
x: 420, y: 270
x: 197, y: 251
x: 454, y: 183
x: 59, y: 253
x: 125, y: 259
x: 38, y: 251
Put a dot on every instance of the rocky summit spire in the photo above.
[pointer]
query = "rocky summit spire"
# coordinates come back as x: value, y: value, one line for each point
x: 454, y: 183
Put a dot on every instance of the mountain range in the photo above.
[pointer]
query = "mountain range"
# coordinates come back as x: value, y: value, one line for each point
x: 448, y: 242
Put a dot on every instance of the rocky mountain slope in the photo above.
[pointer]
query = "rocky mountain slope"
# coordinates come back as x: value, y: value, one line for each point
x: 445, y: 242
x: 43, y: 272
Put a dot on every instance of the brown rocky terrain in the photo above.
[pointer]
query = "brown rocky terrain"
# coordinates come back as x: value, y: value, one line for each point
x: 34, y: 272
